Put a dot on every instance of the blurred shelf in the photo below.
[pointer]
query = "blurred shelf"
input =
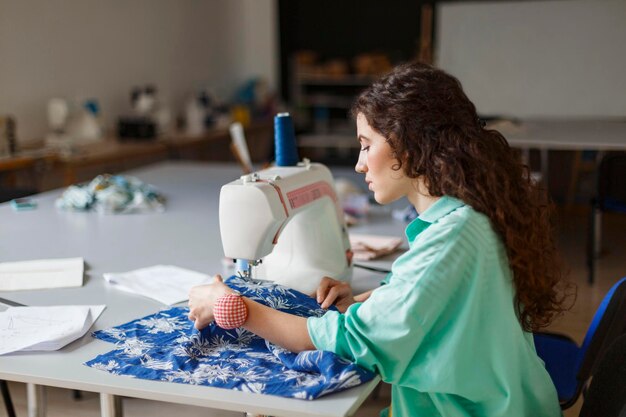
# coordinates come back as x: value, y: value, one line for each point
x: 323, y: 105
x: 330, y: 140
x: 339, y: 80
x: 328, y: 101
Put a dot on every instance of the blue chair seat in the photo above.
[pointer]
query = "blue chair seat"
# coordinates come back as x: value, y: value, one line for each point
x: 561, y: 355
x: 571, y: 366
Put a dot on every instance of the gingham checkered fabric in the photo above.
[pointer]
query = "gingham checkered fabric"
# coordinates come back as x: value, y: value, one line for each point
x: 230, y: 311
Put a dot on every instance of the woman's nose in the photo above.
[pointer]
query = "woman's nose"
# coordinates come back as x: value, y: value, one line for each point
x: 361, y: 166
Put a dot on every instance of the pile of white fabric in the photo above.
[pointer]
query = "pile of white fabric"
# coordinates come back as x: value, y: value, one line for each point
x: 112, y: 194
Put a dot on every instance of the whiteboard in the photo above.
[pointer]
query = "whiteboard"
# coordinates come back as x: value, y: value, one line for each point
x: 537, y: 59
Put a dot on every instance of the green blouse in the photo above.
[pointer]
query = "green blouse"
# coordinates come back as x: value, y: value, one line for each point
x: 443, y: 330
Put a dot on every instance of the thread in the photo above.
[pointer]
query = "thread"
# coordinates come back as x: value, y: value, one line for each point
x: 285, y: 141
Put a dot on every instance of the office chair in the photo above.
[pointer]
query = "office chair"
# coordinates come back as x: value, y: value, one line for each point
x: 584, y: 162
x: 570, y: 366
x: 610, y: 196
x: 6, y: 396
x: 606, y: 395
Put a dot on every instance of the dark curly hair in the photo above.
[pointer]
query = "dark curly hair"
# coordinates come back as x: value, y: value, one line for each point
x: 435, y: 133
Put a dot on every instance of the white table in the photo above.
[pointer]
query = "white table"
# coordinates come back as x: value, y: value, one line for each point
x: 600, y: 135
x: 564, y: 134
x: 187, y: 235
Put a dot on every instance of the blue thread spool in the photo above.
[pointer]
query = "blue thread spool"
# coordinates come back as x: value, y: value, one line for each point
x: 285, y: 141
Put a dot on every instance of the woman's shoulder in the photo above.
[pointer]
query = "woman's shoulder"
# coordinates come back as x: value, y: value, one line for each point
x: 463, y: 225
x: 455, y: 242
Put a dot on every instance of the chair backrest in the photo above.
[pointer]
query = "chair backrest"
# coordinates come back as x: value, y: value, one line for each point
x: 606, y: 395
x: 612, y: 182
x: 608, y: 324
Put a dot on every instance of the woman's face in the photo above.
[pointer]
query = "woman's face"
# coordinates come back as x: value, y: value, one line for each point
x: 376, y: 161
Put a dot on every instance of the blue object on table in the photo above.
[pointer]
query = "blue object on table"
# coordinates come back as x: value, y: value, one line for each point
x: 166, y: 347
x: 92, y: 106
x: 570, y: 366
x: 22, y: 204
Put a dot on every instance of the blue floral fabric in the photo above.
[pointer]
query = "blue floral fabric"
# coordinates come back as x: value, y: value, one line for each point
x: 166, y: 347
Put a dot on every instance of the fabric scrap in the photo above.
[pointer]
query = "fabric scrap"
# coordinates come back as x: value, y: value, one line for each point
x: 166, y: 347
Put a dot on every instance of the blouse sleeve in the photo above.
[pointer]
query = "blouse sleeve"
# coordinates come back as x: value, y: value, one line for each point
x: 386, y: 332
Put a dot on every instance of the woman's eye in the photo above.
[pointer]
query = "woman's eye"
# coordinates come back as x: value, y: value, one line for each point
x: 365, y: 149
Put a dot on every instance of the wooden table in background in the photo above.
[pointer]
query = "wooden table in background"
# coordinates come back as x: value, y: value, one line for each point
x: 214, y: 145
x: 26, y: 161
x: 111, y: 155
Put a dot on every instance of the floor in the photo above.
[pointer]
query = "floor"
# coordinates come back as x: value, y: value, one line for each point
x: 572, y: 224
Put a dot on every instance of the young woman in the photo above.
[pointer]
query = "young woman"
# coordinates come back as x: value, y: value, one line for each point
x: 451, y: 328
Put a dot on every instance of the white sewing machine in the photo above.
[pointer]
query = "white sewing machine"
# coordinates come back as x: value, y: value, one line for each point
x: 286, y: 222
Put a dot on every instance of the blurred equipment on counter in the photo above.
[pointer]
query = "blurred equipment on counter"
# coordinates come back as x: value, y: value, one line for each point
x: 136, y: 128
x: 204, y: 111
x: 72, y: 124
x: 8, y: 139
x: 253, y: 101
x: 149, y: 117
x: 239, y: 147
x: 196, y: 114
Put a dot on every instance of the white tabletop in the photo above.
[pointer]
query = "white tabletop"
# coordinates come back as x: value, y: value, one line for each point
x: 186, y: 235
x: 565, y: 134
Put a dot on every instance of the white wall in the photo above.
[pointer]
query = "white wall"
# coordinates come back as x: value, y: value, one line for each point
x: 80, y: 49
x: 538, y: 58
x: 253, y: 34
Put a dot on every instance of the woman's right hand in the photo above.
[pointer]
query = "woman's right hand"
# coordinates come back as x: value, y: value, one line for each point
x: 202, y: 300
x: 339, y: 293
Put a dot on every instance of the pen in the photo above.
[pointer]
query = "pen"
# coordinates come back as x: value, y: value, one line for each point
x: 10, y: 303
x: 373, y: 268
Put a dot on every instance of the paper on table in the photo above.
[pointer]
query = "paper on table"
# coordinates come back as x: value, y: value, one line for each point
x: 167, y: 284
x: 44, y: 328
x: 368, y: 247
x: 42, y: 273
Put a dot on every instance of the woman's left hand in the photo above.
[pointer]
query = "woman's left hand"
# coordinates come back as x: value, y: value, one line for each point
x: 202, y: 299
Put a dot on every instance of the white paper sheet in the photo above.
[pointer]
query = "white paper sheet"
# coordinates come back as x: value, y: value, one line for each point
x: 42, y: 273
x: 167, y: 284
x: 44, y: 328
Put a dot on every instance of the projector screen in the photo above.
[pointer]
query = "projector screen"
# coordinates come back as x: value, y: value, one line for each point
x: 538, y: 58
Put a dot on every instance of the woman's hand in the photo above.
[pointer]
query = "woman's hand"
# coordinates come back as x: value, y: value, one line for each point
x: 202, y: 299
x: 339, y: 293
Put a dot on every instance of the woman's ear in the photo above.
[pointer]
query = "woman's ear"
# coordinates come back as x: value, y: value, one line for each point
x: 401, y: 161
